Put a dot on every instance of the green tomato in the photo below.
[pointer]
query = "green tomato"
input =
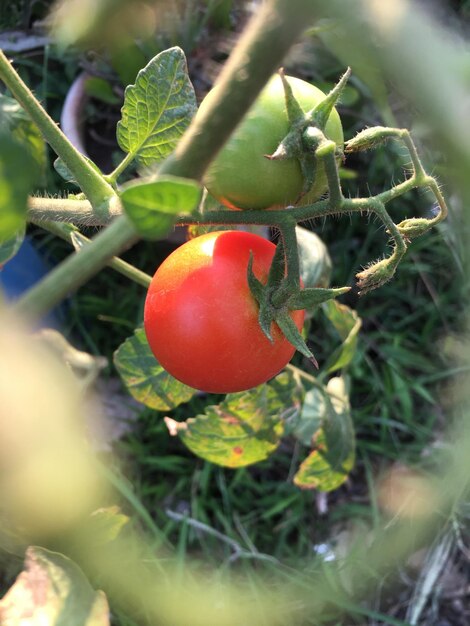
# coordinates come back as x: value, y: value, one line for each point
x: 241, y: 177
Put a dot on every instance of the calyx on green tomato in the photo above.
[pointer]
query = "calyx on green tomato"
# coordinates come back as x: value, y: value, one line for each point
x: 201, y: 319
x: 242, y: 177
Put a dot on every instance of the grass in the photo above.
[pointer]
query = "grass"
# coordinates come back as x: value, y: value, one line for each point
x: 255, y: 518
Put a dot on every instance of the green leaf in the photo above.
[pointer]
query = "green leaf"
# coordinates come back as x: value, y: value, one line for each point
x: 157, y: 108
x: 315, y: 262
x: 10, y: 246
x: 100, y: 528
x: 17, y: 174
x: 312, y: 415
x: 243, y: 429
x: 145, y: 379
x: 347, y: 323
x: 328, y: 466
x: 14, y: 120
x: 53, y: 590
x: 101, y: 89
x: 153, y: 207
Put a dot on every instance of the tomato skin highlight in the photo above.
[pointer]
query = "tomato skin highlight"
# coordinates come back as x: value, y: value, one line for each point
x: 201, y: 319
x: 241, y: 177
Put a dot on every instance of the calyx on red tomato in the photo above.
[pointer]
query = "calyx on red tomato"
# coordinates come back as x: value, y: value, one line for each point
x: 201, y: 319
x: 242, y: 177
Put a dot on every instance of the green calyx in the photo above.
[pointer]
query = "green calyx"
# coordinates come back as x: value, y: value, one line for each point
x: 281, y: 295
x: 306, y: 138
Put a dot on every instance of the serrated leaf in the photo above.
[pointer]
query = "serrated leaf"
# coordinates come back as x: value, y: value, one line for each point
x: 157, y: 108
x: 328, y: 465
x: 347, y: 323
x: 243, y: 429
x: 145, y: 379
x: 17, y: 173
x: 153, y: 207
x: 53, y: 590
x: 315, y: 262
x: 10, y: 247
x: 66, y: 174
x: 14, y: 120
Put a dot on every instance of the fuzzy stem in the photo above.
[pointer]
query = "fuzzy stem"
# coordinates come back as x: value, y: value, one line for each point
x: 79, y: 212
x: 326, y: 152
x: 92, y: 183
x: 291, y: 249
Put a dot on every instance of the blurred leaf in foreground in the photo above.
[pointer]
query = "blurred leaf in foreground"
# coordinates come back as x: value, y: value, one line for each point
x: 53, y: 590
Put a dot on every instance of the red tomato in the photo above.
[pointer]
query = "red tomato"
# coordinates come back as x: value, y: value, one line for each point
x: 201, y: 319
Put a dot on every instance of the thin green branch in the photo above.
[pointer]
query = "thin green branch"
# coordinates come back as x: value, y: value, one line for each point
x: 256, y: 57
x: 113, y: 177
x: 70, y: 234
x: 291, y: 251
x: 326, y: 152
x: 76, y: 269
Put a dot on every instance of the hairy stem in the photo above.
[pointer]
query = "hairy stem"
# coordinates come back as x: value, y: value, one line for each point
x: 79, y: 212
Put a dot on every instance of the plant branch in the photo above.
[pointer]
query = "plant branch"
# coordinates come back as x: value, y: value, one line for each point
x: 69, y: 233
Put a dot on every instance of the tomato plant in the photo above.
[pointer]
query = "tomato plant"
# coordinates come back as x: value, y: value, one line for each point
x: 242, y: 177
x: 201, y: 319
